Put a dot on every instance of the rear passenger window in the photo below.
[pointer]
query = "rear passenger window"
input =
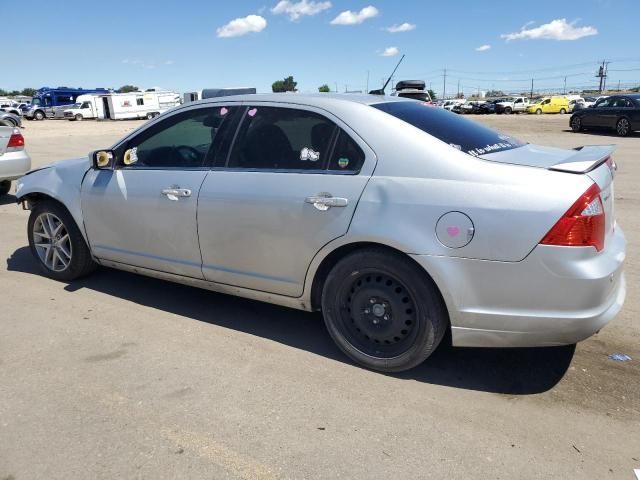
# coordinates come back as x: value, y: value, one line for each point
x: 272, y: 138
x: 347, y: 155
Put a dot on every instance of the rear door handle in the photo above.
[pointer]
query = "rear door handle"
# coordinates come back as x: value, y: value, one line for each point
x: 174, y: 193
x: 324, y: 201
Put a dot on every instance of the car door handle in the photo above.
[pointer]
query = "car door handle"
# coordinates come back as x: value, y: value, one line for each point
x: 324, y: 201
x: 174, y: 193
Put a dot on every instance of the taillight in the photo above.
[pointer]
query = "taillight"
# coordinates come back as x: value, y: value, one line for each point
x: 583, y: 225
x: 16, y: 140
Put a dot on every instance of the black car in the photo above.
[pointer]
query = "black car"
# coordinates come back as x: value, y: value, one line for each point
x: 490, y: 106
x: 619, y: 112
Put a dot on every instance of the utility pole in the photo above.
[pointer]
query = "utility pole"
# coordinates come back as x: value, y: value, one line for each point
x: 458, y: 96
x: 367, y: 90
x: 531, y: 96
x: 602, y: 75
x: 618, y: 85
x: 336, y: 87
x: 444, y: 85
x: 565, y: 86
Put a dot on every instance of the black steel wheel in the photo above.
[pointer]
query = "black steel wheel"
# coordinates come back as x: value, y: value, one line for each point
x: 623, y: 127
x: 383, y: 311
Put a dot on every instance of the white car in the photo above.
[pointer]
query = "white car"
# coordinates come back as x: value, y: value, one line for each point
x: 14, y: 160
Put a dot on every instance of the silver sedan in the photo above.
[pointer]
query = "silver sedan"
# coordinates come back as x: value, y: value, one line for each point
x: 399, y: 221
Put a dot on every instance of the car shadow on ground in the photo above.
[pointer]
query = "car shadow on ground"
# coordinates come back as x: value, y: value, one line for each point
x: 517, y: 371
x: 7, y: 199
x: 604, y: 133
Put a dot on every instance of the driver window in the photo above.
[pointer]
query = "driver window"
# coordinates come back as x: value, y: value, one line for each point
x: 180, y: 141
x: 546, y: 101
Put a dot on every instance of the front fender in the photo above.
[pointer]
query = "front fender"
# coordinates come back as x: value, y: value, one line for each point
x: 61, y: 181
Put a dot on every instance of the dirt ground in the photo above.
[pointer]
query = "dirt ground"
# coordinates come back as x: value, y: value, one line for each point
x: 120, y: 376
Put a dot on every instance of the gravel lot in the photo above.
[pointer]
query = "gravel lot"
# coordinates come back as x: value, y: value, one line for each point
x: 120, y: 376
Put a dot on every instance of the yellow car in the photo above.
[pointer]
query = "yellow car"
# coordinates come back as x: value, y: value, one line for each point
x: 550, y: 105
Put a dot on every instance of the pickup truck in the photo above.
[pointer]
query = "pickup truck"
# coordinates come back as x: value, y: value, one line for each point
x: 513, y: 105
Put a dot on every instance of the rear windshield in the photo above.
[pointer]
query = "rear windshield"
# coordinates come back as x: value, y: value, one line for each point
x: 457, y: 131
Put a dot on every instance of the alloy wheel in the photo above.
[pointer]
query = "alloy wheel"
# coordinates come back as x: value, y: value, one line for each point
x: 52, y: 242
x: 576, y: 124
x: 622, y: 127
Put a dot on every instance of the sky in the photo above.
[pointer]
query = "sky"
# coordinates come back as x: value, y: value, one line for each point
x: 348, y: 45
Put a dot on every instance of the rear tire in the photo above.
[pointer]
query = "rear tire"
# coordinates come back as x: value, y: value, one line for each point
x: 56, y: 242
x: 562, y: 111
x: 623, y: 127
x: 383, y: 311
x: 149, y: 116
x: 5, y: 186
x: 576, y: 124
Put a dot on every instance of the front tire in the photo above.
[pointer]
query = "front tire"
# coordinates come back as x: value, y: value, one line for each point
x: 39, y: 115
x: 623, y: 127
x: 78, y: 117
x: 383, y: 311
x: 5, y: 186
x: 538, y: 112
x: 508, y: 110
x: 56, y: 242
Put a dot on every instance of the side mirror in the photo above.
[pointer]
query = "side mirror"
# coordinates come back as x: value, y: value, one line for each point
x: 103, y: 159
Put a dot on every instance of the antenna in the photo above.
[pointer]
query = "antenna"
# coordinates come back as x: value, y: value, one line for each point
x: 381, y: 90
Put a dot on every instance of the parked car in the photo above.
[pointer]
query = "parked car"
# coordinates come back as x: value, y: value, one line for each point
x: 472, y: 107
x: 421, y: 223
x: 14, y: 160
x: 9, y: 119
x: 576, y: 104
x: 512, y: 105
x: 450, y: 104
x: 11, y: 108
x: 490, y: 106
x: 415, y: 89
x: 550, y: 105
x: 619, y: 112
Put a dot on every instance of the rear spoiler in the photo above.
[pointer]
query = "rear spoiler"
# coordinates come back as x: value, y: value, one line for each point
x: 586, y: 159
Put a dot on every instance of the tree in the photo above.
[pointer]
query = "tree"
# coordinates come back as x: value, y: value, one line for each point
x: 286, y: 85
x: 432, y: 94
x: 28, y: 92
x: 324, y: 88
x: 128, y: 89
x: 14, y: 93
x: 3, y: 92
x: 495, y: 93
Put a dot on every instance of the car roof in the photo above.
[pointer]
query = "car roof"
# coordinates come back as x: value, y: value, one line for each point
x: 322, y: 100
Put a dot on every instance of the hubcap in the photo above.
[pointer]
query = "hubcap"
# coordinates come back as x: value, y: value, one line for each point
x: 52, y: 242
x: 378, y: 315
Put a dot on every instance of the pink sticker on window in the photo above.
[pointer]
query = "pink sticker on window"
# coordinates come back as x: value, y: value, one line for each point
x: 252, y: 112
x: 223, y: 111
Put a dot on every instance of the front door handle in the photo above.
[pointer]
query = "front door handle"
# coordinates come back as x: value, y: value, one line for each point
x: 174, y: 193
x: 324, y: 201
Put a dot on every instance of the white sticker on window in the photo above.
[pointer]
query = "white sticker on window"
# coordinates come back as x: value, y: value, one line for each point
x: 309, y: 154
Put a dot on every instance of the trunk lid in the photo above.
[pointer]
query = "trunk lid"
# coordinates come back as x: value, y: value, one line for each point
x: 592, y: 160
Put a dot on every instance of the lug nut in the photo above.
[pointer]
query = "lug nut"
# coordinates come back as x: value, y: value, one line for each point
x: 386, y: 317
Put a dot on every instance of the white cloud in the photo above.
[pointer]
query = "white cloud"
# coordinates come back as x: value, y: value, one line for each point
x: 353, y: 18
x: 169, y: 62
x: 558, y: 29
x: 299, y: 9
x: 390, y: 52
x: 403, y: 27
x: 483, y: 48
x: 242, y: 26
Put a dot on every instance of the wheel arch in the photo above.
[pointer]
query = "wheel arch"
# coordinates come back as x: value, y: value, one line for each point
x: 335, y: 255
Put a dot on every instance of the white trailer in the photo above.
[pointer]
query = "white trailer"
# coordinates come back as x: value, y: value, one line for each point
x: 121, y: 106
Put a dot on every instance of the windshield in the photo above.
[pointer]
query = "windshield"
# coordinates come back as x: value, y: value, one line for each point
x: 460, y: 133
x: 35, y: 101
